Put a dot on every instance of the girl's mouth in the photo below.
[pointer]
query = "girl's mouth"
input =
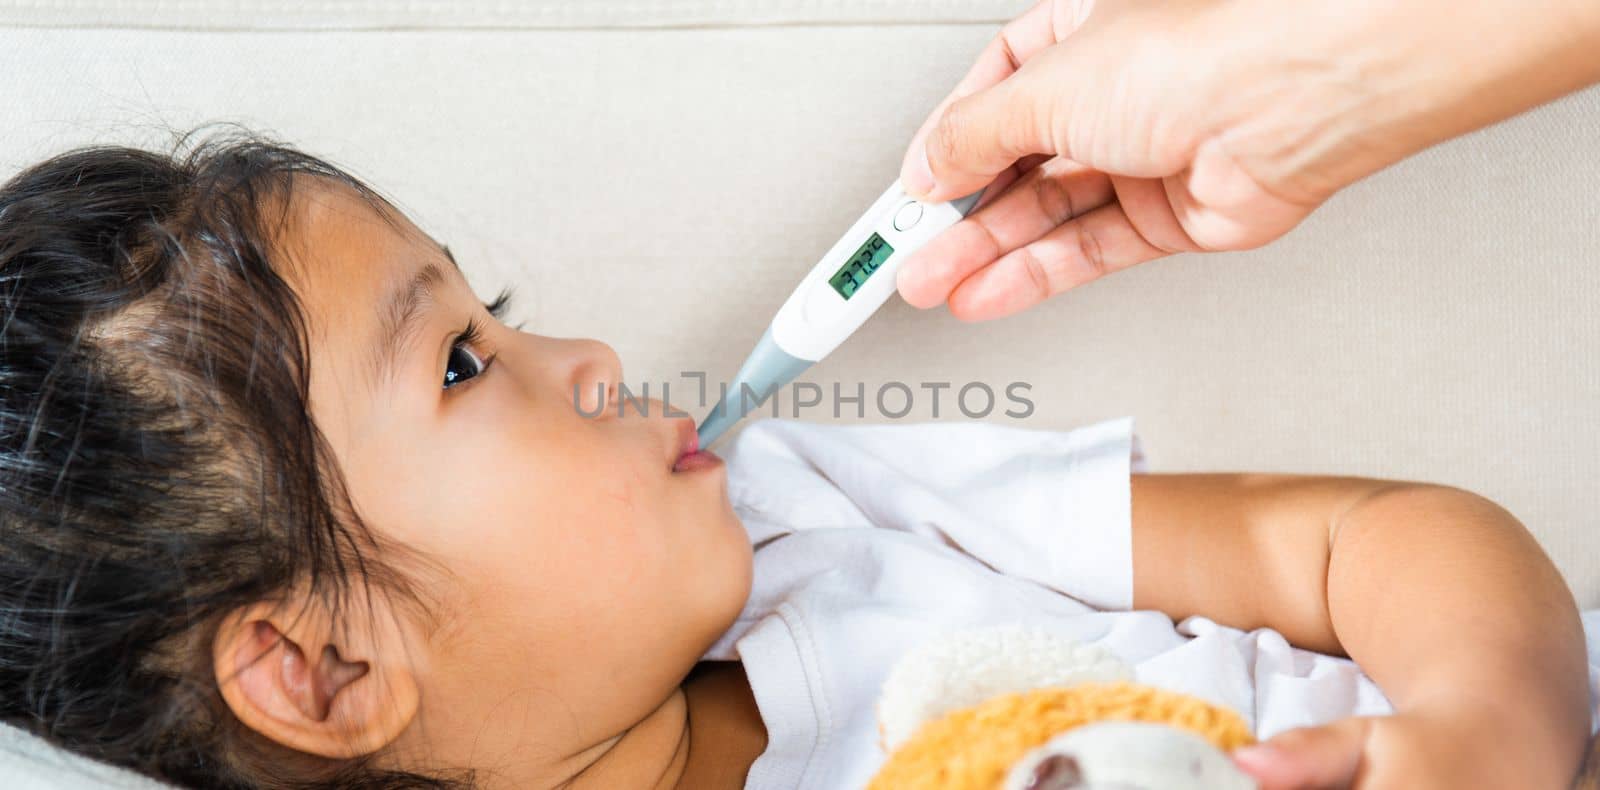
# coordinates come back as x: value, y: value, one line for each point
x: 697, y: 460
x: 690, y: 457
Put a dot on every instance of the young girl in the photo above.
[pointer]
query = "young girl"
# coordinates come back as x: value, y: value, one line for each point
x: 284, y: 505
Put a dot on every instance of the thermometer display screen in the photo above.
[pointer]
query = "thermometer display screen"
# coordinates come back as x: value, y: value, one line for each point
x: 861, y: 265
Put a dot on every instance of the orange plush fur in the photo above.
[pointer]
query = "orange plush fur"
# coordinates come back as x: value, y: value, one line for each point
x: 973, y: 748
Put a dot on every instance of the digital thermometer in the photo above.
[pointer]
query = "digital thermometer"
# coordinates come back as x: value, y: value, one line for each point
x: 847, y: 286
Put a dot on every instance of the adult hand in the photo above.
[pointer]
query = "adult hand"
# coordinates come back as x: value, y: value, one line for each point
x: 1118, y: 131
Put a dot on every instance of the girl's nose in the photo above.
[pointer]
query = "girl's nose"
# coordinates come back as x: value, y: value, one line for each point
x: 594, y: 373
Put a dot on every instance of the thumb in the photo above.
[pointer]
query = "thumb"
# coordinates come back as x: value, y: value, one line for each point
x: 979, y: 135
x: 1036, y: 31
x: 1312, y: 758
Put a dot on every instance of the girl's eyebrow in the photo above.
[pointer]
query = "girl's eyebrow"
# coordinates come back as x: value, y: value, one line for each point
x: 398, y: 317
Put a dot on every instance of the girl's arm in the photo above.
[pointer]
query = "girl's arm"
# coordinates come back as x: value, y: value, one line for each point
x: 1440, y: 595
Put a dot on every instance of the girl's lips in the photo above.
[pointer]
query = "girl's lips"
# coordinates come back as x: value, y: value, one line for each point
x: 690, y: 456
x: 688, y: 438
x: 697, y: 460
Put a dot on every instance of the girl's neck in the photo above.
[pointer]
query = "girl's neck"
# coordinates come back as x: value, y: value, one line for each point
x: 725, y: 730
x: 703, y: 737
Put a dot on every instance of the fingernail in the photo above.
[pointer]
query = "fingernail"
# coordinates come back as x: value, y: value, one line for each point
x: 1254, y: 756
x: 917, y: 180
x: 903, y: 276
x: 908, y: 281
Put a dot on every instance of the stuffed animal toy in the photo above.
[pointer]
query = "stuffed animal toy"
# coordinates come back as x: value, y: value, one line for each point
x: 1014, y: 708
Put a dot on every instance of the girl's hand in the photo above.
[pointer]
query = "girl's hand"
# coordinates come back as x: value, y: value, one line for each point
x: 1409, y: 751
x: 1440, y: 595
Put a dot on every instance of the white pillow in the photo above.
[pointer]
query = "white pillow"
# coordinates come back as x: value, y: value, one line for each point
x: 28, y: 762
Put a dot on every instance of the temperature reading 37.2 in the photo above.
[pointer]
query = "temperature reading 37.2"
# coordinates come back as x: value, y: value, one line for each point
x: 861, y: 265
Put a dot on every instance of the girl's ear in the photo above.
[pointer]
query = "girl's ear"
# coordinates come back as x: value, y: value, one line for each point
x: 291, y: 673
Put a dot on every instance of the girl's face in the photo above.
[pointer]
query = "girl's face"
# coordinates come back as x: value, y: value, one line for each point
x: 583, y: 576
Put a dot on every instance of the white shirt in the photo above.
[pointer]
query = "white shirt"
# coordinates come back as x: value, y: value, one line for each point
x: 870, y: 540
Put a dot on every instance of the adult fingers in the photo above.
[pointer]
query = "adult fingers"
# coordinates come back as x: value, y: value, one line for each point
x: 1041, y: 26
x: 1081, y: 250
x: 1312, y: 758
x: 1009, y: 176
x: 1037, y: 203
x: 982, y: 134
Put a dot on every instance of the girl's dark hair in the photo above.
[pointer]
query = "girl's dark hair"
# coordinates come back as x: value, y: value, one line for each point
x: 159, y: 466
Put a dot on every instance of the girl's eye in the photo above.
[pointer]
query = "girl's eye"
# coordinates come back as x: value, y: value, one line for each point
x: 464, y: 365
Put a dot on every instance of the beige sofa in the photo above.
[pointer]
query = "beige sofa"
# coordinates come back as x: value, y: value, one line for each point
x: 659, y: 174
